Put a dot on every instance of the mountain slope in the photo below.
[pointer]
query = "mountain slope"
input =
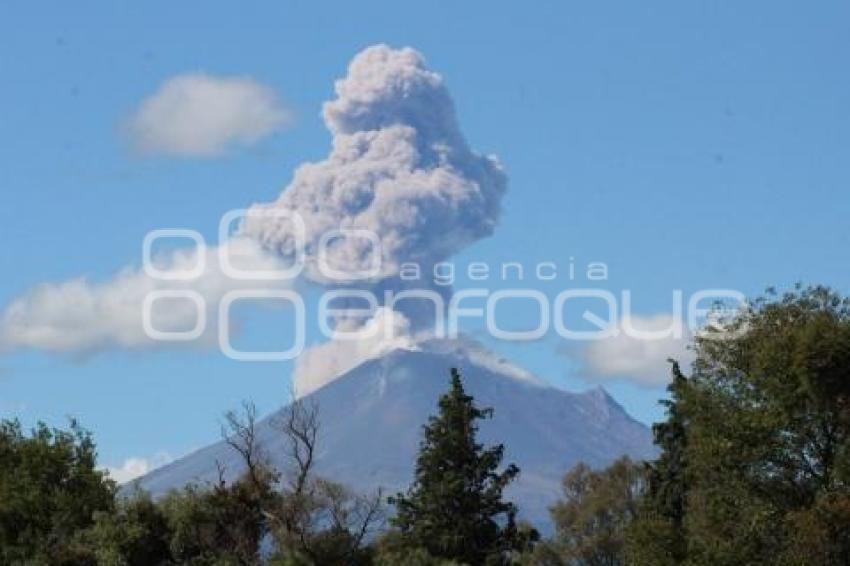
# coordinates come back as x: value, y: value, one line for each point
x: 372, y: 416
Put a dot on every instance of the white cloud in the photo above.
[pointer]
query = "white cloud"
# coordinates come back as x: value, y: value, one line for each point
x: 82, y: 317
x: 133, y: 468
x: 199, y: 115
x: 641, y: 359
x: 384, y: 332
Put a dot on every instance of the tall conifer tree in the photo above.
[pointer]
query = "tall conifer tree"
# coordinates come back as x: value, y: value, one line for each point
x: 454, y: 509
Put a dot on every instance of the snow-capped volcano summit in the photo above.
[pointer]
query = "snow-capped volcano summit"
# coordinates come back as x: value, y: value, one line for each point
x: 372, y: 417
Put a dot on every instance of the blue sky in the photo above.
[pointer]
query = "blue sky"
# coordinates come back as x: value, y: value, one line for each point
x: 686, y: 145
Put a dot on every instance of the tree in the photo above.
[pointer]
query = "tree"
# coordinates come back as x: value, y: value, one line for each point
x: 769, y: 422
x: 137, y: 533
x: 391, y: 549
x: 305, y: 518
x: 755, y: 461
x: 667, y: 481
x: 597, y: 509
x: 657, y: 536
x: 315, y: 520
x: 302, y: 519
x: 223, y: 523
x: 454, y: 510
x: 57, y: 508
x: 50, y: 490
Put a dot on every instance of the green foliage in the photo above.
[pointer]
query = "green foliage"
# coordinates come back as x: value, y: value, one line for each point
x: 755, y: 449
x: 136, y: 534
x: 50, y: 489
x: 819, y: 532
x: 657, y: 534
x: 224, y: 524
x: 325, y: 523
x: 544, y: 553
x: 56, y: 508
x: 653, y: 540
x: 392, y: 549
x: 597, y: 508
x: 454, y: 510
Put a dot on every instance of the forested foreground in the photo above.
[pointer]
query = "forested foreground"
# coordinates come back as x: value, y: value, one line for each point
x: 753, y: 468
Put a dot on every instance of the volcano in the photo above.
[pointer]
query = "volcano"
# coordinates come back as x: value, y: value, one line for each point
x: 372, y: 417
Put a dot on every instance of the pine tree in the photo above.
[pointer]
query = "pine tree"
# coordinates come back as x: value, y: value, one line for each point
x: 667, y: 482
x: 657, y: 535
x: 454, y: 510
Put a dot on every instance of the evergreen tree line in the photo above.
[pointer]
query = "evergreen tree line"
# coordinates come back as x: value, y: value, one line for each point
x: 753, y: 467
